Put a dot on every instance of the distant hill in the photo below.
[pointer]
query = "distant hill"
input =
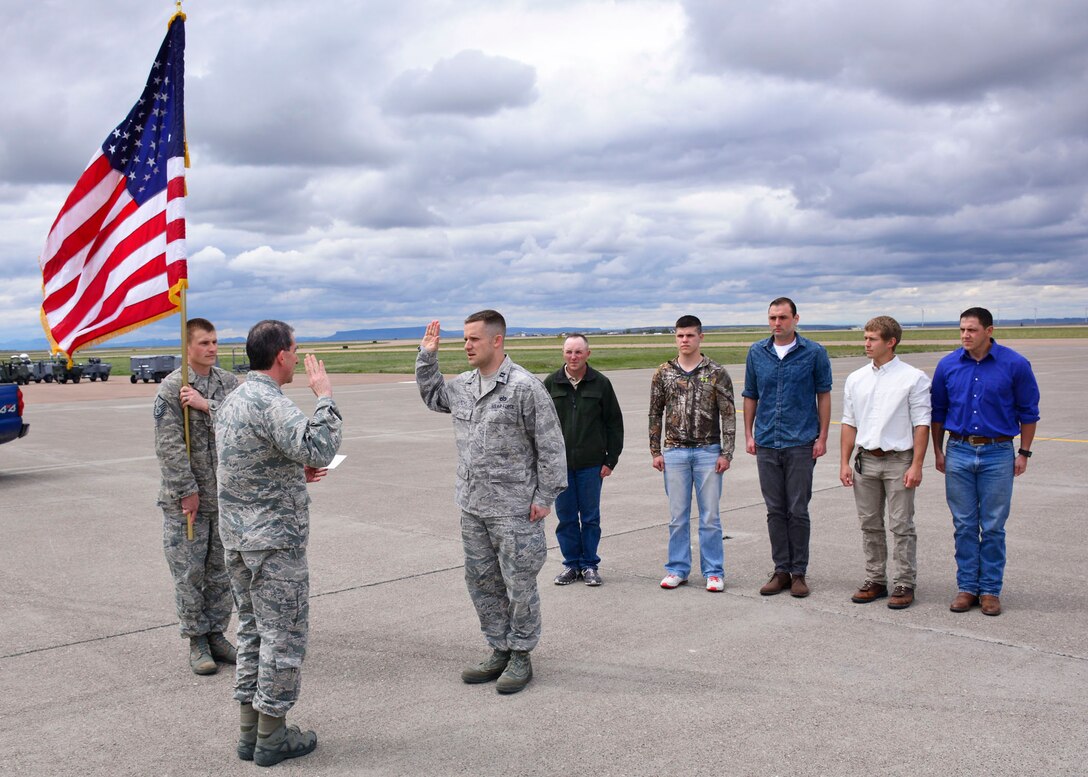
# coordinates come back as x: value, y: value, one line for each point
x: 416, y: 332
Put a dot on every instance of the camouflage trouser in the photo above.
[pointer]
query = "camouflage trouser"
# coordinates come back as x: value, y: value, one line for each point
x: 272, y: 591
x: 503, y: 556
x: 201, y: 584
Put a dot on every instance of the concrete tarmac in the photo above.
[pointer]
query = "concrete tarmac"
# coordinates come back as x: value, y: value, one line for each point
x: 630, y: 679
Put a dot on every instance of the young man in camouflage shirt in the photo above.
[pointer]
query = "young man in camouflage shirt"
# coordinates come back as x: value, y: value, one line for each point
x: 201, y: 585
x: 695, y: 397
x: 511, y: 465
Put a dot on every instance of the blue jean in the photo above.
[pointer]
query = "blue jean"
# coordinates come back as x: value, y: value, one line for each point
x: 978, y: 488
x: 686, y: 468
x: 785, y: 478
x: 579, y: 512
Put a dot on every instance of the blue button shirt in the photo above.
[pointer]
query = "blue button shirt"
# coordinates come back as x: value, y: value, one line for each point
x: 786, y: 390
x: 988, y: 398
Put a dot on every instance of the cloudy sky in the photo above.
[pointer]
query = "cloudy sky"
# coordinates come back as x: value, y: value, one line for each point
x: 606, y: 164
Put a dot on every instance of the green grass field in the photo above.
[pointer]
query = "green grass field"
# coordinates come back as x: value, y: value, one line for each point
x: 610, y: 352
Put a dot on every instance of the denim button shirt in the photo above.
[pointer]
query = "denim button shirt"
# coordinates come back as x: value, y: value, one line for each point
x: 786, y: 390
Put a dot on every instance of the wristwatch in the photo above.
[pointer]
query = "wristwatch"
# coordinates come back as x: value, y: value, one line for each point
x: 1024, y: 453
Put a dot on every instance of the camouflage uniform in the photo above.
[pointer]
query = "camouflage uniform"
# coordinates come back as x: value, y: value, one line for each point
x: 201, y: 586
x: 510, y: 456
x: 263, y: 440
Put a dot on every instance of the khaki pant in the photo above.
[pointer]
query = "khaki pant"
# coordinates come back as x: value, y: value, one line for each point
x: 880, y: 482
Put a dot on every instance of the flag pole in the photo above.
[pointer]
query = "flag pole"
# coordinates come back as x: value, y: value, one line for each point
x: 185, y: 408
x: 189, y: 517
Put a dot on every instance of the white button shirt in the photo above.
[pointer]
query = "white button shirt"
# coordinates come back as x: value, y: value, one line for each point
x: 885, y: 404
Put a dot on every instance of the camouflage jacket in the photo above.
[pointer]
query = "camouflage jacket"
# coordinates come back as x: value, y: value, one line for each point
x: 510, y: 449
x: 263, y: 440
x: 692, y: 404
x: 183, y: 475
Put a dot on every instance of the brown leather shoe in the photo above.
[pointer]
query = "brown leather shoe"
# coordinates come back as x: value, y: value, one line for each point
x: 963, y: 602
x: 901, y: 598
x: 799, y: 587
x: 991, y: 605
x: 869, y: 591
x: 778, y: 583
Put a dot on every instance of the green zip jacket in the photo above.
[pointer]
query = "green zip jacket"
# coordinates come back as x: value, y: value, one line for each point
x: 590, y: 416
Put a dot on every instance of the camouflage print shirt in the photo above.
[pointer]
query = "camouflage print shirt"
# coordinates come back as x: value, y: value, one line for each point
x: 510, y: 449
x: 263, y: 440
x: 183, y: 475
x: 692, y: 404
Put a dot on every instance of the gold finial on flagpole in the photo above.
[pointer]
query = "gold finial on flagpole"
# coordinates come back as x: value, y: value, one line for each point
x: 178, y: 13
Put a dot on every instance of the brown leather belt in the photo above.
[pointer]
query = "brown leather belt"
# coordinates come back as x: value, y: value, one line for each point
x: 971, y: 439
x: 880, y: 452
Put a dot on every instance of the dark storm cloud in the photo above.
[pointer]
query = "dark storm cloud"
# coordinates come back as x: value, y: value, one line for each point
x: 918, y: 51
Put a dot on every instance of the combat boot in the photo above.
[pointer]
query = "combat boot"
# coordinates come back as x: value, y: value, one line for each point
x: 282, y: 743
x: 200, y: 656
x: 247, y: 738
x: 222, y: 650
x: 518, y: 673
x: 487, y: 670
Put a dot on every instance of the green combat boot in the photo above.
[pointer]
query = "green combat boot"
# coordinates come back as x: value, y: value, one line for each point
x: 247, y: 738
x: 518, y: 673
x: 487, y: 670
x: 222, y: 650
x: 200, y: 656
x: 283, y: 743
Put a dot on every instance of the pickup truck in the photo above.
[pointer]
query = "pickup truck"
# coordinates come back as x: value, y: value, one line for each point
x: 11, y: 413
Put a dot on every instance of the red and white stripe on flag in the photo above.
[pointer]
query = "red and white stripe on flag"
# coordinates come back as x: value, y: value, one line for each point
x: 114, y: 259
x: 109, y: 264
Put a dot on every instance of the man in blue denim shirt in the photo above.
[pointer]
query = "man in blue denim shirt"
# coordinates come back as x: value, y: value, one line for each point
x: 984, y: 394
x: 787, y: 411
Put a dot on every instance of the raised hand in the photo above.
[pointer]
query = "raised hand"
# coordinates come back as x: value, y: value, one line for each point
x: 431, y: 337
x: 319, y: 379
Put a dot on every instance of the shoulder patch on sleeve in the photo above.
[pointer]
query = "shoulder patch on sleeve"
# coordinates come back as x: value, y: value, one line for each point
x: 160, y: 407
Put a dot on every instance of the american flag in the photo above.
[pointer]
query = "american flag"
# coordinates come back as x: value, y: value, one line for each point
x: 114, y: 259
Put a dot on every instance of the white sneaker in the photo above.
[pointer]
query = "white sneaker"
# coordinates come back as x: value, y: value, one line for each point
x: 714, y: 583
x: 672, y: 581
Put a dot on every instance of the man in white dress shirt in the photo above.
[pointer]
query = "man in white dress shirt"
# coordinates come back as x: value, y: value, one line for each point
x: 886, y: 415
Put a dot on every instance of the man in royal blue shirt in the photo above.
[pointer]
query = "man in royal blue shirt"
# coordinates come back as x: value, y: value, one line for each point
x: 787, y: 411
x: 984, y: 394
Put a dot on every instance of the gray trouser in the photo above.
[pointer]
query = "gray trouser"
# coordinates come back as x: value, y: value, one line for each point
x: 881, y: 481
x: 272, y: 591
x: 785, y: 478
x: 201, y: 585
x: 503, y: 556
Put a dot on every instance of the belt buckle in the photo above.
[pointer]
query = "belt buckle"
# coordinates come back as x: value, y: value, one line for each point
x: 972, y: 437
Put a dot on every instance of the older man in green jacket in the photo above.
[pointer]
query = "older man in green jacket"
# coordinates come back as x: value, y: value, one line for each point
x: 593, y: 431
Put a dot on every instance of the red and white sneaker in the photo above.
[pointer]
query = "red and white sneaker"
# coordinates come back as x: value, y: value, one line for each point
x: 672, y: 581
x: 715, y: 583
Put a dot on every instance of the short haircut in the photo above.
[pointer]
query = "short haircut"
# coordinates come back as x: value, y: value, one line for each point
x: 784, y: 301
x: 887, y: 327
x: 193, y: 325
x: 265, y: 341
x: 493, y: 321
x: 687, y: 322
x: 984, y: 316
x: 579, y: 335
